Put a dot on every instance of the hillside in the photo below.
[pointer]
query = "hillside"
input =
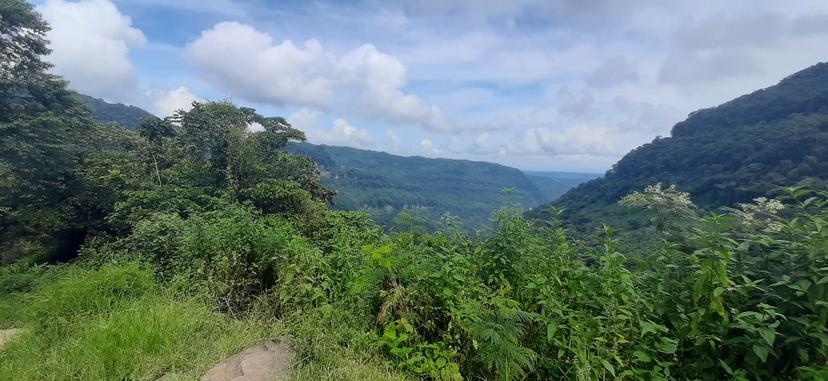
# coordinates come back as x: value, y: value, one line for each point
x: 386, y: 184
x: 732, y: 153
x: 126, y: 116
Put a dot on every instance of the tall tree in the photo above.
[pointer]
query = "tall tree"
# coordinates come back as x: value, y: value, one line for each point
x: 42, y: 131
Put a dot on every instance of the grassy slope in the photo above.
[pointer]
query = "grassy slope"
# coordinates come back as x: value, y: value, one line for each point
x: 117, y: 323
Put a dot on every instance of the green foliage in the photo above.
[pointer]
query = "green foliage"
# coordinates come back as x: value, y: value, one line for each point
x: 113, y: 324
x: 278, y: 197
x: 198, y: 213
x: 23, y: 40
x: 732, y: 153
x: 385, y: 185
x: 80, y: 292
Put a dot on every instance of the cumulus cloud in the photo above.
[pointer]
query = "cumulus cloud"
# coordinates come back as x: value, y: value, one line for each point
x: 343, y: 130
x: 304, y: 119
x: 572, y: 140
x: 250, y: 64
x: 90, y: 42
x: 341, y: 133
x: 174, y: 100
x: 551, y: 82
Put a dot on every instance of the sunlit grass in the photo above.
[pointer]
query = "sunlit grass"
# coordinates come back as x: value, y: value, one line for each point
x: 100, y: 325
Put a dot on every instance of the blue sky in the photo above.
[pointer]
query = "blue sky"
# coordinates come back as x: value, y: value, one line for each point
x: 551, y: 85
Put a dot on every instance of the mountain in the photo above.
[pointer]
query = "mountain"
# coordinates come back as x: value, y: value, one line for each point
x: 554, y: 184
x: 128, y: 117
x: 724, y: 155
x: 385, y: 184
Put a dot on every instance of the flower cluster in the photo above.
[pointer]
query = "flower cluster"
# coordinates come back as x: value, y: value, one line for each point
x: 761, y: 214
x: 664, y: 200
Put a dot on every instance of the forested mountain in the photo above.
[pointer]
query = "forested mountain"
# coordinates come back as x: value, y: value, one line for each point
x: 126, y: 116
x: 386, y: 184
x: 732, y: 153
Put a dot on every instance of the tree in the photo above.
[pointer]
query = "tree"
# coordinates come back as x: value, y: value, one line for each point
x: 43, y: 130
x: 22, y: 40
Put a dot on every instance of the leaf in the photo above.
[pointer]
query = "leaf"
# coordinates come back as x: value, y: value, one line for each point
x: 641, y: 356
x: 390, y: 333
x: 761, y: 351
x: 551, y: 329
x: 609, y: 367
x: 667, y: 346
x: 768, y: 335
x: 726, y: 367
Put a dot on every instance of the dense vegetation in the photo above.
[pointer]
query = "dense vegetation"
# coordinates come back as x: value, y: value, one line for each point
x: 194, y: 237
x: 743, y: 149
x: 384, y: 184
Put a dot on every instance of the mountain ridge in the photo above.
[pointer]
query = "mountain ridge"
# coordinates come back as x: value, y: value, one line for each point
x: 726, y: 154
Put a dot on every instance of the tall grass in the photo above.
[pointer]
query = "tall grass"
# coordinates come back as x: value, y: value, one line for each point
x: 117, y: 324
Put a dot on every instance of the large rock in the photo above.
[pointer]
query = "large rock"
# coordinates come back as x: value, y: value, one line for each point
x: 265, y: 362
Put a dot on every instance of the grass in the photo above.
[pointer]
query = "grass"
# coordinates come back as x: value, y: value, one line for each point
x: 117, y: 323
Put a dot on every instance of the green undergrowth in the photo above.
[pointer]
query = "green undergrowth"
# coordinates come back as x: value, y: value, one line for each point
x: 118, y: 323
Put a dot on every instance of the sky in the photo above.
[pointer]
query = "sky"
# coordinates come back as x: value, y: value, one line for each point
x: 539, y: 85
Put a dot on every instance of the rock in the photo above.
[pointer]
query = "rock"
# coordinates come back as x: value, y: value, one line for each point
x: 264, y: 362
x: 7, y: 335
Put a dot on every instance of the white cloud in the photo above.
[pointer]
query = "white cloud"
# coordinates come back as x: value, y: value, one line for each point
x: 245, y: 62
x: 90, y: 42
x: 427, y: 144
x: 572, y: 140
x: 304, y: 119
x: 174, y: 100
x: 484, y: 144
x: 341, y: 133
x: 248, y: 63
x: 344, y: 131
